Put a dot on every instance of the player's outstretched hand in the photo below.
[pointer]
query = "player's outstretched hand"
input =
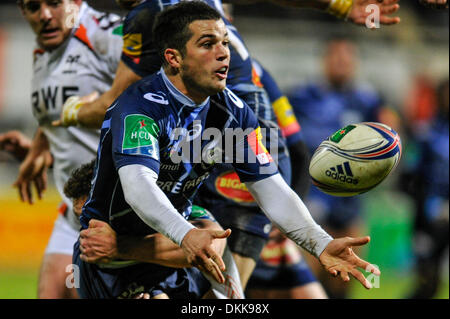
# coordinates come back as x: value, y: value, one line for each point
x: 338, y: 258
x: 197, y: 246
x: 69, y: 114
x: 359, y: 11
x: 98, y: 243
x: 435, y: 4
x: 33, y: 171
x: 15, y: 143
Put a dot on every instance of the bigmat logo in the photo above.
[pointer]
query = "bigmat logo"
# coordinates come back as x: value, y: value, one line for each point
x: 229, y: 185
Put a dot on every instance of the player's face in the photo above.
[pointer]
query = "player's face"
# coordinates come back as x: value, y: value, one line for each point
x: 340, y: 62
x: 204, y: 67
x: 51, y: 20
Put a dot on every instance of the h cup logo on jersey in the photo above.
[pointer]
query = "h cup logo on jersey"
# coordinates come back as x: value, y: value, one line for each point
x: 234, y: 145
x: 141, y: 136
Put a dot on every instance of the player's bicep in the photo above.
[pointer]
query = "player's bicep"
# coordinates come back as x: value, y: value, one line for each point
x: 136, y: 141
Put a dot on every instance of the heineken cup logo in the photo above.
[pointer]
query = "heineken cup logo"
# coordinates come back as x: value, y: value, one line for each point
x: 141, y: 136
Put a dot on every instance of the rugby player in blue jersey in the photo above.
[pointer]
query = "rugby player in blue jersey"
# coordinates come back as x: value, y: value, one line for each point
x: 139, y: 59
x: 140, y: 183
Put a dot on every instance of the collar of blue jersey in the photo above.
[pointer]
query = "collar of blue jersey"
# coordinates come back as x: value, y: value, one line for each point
x: 183, y: 99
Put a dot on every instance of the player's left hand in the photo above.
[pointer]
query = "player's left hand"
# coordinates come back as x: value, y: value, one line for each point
x: 338, y: 258
x: 15, y: 143
x: 358, y: 14
x: 98, y: 243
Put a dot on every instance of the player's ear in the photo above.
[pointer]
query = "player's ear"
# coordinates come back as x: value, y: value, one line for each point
x: 173, y: 58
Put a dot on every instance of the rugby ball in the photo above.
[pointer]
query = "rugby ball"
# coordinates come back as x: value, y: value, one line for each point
x: 355, y: 159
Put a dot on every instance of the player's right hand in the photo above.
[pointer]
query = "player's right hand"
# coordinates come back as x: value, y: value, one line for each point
x: 98, y: 243
x: 197, y: 246
x: 69, y: 114
x: 15, y: 143
x: 33, y: 171
x: 338, y: 258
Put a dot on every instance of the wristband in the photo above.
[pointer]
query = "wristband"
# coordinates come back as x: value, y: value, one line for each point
x: 340, y: 8
x: 70, y: 111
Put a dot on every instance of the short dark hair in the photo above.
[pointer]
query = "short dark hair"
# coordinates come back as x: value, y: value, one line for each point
x: 171, y: 27
x: 79, y: 182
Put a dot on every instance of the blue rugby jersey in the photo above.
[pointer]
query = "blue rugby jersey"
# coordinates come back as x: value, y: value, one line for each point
x: 147, y: 125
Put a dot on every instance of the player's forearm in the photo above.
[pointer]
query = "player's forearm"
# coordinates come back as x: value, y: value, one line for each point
x: 289, y: 214
x: 91, y: 115
x: 155, y: 249
x: 151, y: 204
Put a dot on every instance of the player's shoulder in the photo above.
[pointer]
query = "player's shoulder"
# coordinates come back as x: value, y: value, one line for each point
x: 98, y: 29
x: 148, y: 93
x: 230, y: 103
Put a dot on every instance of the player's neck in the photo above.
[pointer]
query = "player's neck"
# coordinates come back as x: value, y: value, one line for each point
x: 177, y: 81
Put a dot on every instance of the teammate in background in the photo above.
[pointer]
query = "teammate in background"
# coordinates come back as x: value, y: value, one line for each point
x: 138, y: 152
x: 77, y: 51
x: 425, y: 178
x: 323, y: 107
x: 282, y: 272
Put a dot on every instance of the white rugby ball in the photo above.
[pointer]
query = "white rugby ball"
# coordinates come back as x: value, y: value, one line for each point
x: 355, y: 159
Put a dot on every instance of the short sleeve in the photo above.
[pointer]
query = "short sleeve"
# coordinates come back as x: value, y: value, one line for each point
x: 135, y: 135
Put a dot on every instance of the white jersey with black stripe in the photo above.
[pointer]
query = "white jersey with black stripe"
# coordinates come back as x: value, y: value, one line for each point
x: 85, y: 62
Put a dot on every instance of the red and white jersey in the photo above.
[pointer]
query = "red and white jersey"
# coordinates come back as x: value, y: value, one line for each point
x: 85, y: 62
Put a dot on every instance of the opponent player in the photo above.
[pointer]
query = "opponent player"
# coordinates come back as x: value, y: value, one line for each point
x: 144, y: 143
x: 77, y: 51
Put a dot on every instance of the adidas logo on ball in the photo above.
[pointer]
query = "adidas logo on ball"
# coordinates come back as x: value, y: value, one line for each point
x: 338, y: 173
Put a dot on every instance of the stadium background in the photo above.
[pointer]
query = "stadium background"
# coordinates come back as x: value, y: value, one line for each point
x: 395, y: 60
